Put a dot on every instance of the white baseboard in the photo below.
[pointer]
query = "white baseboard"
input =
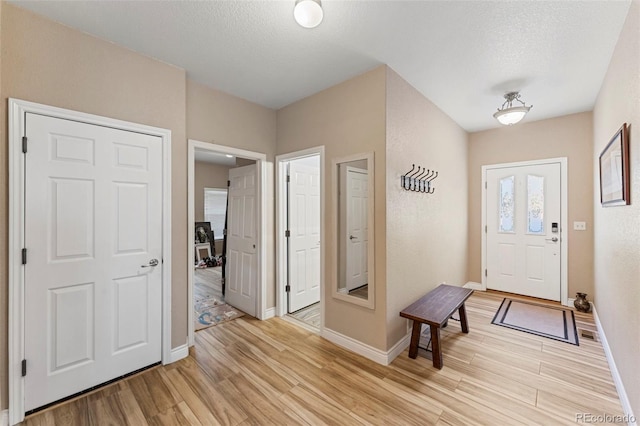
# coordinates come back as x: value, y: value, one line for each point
x: 269, y: 313
x: 622, y: 393
x: 398, y: 348
x: 374, y: 354
x: 4, y: 418
x: 179, y: 353
x: 473, y: 286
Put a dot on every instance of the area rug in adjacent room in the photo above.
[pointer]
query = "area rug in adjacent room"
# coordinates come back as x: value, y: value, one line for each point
x: 211, y: 311
x: 546, y: 321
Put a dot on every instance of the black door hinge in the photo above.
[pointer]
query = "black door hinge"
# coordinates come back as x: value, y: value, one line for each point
x: 24, y: 144
x: 485, y: 273
x: 288, y: 178
x: 24, y: 367
x: 287, y: 288
x: 228, y: 183
x: 24, y: 256
x: 287, y: 233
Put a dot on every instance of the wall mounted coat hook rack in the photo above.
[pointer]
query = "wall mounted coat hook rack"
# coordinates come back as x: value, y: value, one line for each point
x: 419, y: 180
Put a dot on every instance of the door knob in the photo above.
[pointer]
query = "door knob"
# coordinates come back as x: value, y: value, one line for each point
x: 351, y: 237
x: 554, y: 239
x: 152, y: 262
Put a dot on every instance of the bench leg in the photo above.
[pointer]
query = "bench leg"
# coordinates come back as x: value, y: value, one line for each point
x: 415, y: 339
x: 463, y: 319
x: 436, y: 351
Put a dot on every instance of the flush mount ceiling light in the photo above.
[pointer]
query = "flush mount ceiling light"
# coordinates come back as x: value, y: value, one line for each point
x: 308, y: 13
x: 509, y: 114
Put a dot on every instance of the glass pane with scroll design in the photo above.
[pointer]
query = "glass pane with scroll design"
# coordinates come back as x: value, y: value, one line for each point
x: 507, y: 204
x: 535, y: 204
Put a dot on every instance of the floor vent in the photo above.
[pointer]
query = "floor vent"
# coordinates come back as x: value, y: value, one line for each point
x: 588, y: 334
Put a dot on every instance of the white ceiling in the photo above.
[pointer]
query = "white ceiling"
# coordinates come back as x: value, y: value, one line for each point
x: 214, y: 158
x: 462, y: 55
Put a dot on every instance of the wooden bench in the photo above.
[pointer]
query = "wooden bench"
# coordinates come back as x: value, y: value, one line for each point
x: 435, y: 308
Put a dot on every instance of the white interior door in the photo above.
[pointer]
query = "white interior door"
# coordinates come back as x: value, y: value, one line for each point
x: 304, y: 239
x: 523, y: 230
x: 242, y: 262
x: 93, y: 217
x: 357, y: 228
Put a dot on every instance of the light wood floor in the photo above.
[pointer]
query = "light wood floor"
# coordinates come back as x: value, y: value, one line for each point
x: 309, y: 315
x: 254, y: 372
x: 207, y: 283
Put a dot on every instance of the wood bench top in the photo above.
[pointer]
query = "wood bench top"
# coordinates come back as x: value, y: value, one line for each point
x: 435, y: 307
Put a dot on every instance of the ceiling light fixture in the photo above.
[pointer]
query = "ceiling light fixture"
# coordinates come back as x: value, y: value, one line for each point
x: 308, y: 13
x: 509, y: 114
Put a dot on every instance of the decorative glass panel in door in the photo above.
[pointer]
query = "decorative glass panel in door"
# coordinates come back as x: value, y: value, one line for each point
x: 535, y: 204
x: 507, y: 205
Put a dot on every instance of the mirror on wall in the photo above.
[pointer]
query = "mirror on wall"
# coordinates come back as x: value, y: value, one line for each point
x: 353, y: 226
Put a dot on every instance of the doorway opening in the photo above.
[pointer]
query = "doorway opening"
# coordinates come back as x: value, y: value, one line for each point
x: 226, y: 276
x: 299, y: 237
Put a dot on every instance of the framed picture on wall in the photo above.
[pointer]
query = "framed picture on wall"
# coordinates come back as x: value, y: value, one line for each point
x: 614, y: 170
x: 204, y: 234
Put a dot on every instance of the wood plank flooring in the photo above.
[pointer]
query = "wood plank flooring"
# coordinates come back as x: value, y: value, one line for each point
x: 250, y: 372
x: 207, y: 282
x: 309, y: 315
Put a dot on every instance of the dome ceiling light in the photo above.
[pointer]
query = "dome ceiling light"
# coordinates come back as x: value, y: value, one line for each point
x: 508, y: 114
x: 308, y: 13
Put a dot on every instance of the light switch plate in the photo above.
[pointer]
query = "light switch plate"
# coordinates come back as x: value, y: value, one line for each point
x: 580, y: 226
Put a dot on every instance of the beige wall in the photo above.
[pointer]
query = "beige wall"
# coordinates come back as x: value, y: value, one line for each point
x: 426, y: 234
x: 348, y: 118
x: 216, y: 117
x: 568, y: 136
x: 617, y: 229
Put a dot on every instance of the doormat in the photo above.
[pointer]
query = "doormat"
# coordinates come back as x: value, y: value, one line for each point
x: 541, y: 320
x: 211, y: 311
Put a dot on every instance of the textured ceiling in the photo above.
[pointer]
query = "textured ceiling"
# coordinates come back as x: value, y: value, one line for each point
x: 462, y: 55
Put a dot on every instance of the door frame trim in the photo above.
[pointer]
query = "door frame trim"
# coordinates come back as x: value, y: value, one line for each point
x: 564, y: 221
x: 281, y: 226
x: 17, y: 110
x: 261, y: 228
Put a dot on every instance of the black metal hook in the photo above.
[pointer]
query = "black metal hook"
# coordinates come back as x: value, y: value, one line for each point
x: 412, y: 169
x: 412, y: 179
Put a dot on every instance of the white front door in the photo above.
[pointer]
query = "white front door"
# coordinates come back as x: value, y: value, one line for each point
x: 93, y: 218
x: 242, y: 262
x: 357, y: 234
x: 523, y: 230
x: 304, y: 239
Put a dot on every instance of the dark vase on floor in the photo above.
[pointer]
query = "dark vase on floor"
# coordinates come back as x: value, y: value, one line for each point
x: 581, y: 303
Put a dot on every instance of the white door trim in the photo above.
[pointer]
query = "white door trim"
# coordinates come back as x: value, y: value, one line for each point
x: 281, y: 226
x: 17, y: 111
x: 261, y: 173
x: 564, y: 221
